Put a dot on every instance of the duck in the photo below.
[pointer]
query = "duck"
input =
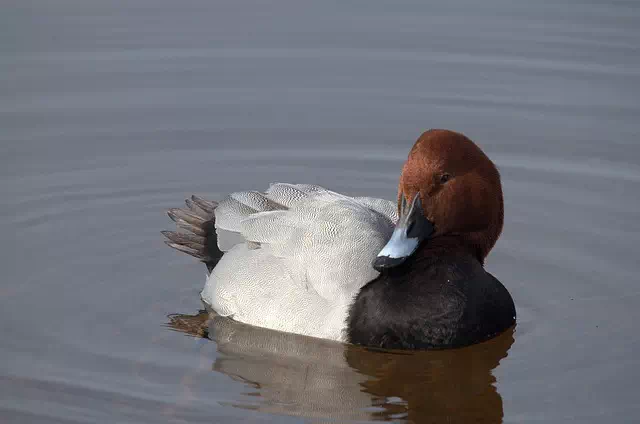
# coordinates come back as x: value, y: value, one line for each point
x: 405, y: 274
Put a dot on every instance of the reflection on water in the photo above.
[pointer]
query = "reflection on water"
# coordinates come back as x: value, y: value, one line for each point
x: 303, y: 376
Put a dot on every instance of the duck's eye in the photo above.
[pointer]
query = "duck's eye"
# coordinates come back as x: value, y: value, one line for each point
x: 444, y: 178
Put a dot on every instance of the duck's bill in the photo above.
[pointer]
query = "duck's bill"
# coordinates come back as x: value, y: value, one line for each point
x: 412, y: 228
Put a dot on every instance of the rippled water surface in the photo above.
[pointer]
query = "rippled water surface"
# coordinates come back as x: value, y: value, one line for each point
x: 114, y: 111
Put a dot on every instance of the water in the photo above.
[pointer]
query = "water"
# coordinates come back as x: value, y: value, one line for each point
x: 114, y: 111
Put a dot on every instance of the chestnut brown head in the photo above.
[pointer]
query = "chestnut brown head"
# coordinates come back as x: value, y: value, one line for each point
x: 448, y: 188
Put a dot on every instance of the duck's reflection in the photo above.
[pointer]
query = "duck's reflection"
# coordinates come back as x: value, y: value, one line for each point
x: 303, y: 376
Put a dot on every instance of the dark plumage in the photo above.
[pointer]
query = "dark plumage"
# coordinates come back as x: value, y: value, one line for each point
x: 440, y: 301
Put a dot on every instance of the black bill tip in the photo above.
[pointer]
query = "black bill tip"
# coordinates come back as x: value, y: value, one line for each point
x: 381, y: 263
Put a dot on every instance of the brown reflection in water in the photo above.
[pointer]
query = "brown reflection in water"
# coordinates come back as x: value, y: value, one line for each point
x: 302, y: 376
x: 436, y: 386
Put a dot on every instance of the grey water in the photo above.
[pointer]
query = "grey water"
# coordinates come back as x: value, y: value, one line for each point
x: 112, y: 112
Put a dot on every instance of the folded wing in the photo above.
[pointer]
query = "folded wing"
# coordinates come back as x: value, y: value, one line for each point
x: 295, y: 256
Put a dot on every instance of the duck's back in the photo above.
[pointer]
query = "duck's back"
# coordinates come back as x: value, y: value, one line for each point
x: 429, y: 303
x: 295, y: 257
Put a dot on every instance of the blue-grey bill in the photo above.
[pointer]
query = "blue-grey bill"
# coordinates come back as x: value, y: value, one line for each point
x: 412, y: 228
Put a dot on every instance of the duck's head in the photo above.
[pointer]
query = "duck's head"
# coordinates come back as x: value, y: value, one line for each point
x: 449, y: 190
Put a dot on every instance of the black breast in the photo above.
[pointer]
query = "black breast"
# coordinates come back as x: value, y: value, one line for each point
x: 443, y: 303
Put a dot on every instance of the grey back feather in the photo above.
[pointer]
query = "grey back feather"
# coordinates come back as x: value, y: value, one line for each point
x: 296, y: 248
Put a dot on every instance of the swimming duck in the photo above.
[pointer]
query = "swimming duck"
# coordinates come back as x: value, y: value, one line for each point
x: 408, y: 274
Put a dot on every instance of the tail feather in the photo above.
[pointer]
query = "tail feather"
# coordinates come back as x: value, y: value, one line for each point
x: 191, y: 241
x: 196, y: 235
x: 188, y: 227
x: 195, y: 253
x: 206, y: 205
x: 186, y: 216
